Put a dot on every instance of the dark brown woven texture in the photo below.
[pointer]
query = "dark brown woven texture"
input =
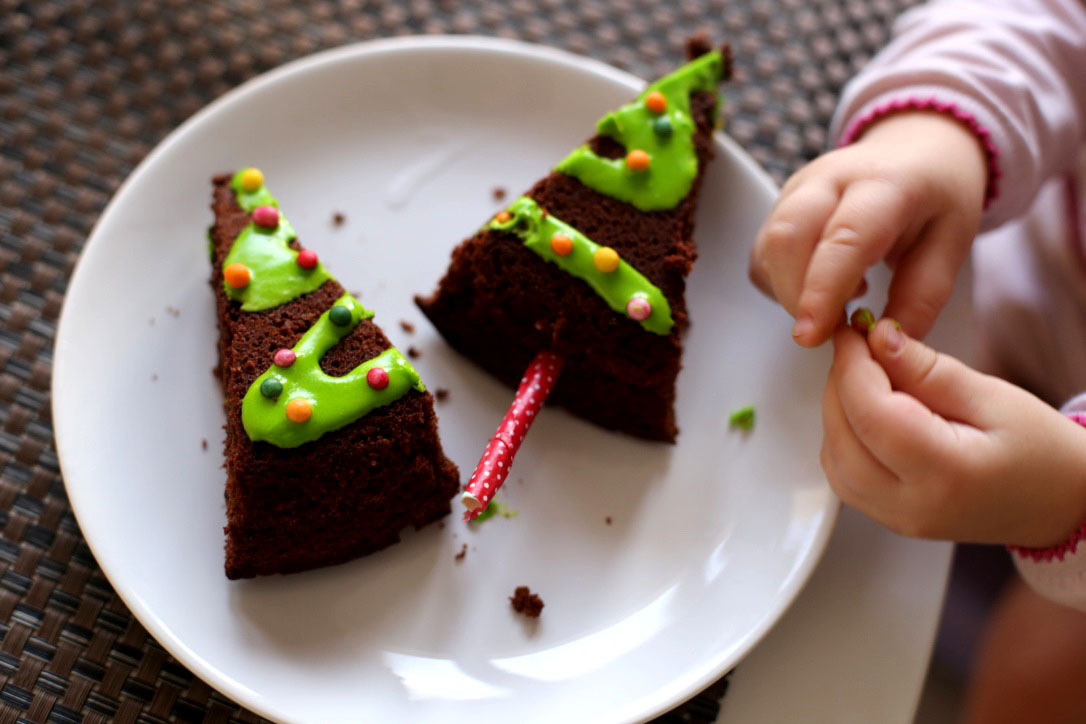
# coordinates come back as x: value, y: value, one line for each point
x: 87, y: 88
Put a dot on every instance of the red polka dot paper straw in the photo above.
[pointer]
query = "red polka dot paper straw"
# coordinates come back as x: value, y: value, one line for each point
x: 493, y: 467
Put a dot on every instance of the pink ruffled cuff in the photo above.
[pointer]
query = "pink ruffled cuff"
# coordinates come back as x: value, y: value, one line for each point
x: 1068, y: 547
x: 991, y: 151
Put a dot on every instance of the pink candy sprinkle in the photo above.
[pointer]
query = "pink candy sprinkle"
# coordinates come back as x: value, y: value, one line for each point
x: 638, y: 309
x: 307, y: 258
x: 266, y: 217
x: 284, y: 358
x: 377, y: 378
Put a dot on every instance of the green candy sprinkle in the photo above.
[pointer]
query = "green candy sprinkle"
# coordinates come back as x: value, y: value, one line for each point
x: 662, y: 127
x: 862, y: 320
x: 743, y: 418
x: 340, y: 315
x: 271, y: 388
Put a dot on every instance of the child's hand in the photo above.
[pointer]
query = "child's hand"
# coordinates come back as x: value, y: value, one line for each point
x: 910, y: 191
x: 934, y: 449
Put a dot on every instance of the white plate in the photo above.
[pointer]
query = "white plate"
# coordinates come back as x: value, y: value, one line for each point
x: 710, y: 539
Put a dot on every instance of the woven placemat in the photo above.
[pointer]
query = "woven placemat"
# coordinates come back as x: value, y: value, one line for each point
x: 86, y: 90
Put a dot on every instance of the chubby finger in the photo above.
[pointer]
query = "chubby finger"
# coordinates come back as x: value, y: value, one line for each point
x: 941, y: 383
x: 871, y: 216
x: 924, y: 277
x: 778, y: 260
x: 857, y: 477
x: 897, y: 428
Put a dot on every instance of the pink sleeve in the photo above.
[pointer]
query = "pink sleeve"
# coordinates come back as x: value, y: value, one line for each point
x: 1059, y: 573
x: 1012, y: 70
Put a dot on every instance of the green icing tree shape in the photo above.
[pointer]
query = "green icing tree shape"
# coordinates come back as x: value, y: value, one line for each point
x: 275, y: 276
x: 333, y: 401
x: 668, y: 139
x: 536, y: 229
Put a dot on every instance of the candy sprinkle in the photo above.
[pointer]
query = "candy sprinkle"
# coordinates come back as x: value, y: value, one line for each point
x: 862, y: 320
x: 252, y: 179
x: 237, y: 275
x: 638, y: 309
x: 502, y: 217
x: 299, y: 410
x: 284, y: 357
x: 656, y: 102
x: 307, y: 259
x: 561, y: 244
x: 340, y: 315
x: 377, y: 378
x: 271, y: 388
x: 266, y: 217
x: 605, y: 259
x: 637, y: 160
x: 662, y: 127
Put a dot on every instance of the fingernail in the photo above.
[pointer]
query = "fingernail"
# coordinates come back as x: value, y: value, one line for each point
x: 895, y: 338
x: 803, y: 326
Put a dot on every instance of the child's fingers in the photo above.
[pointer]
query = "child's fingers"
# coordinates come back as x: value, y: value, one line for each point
x: 783, y: 246
x: 924, y: 278
x: 870, y: 217
x: 857, y: 477
x: 898, y: 430
x: 941, y: 383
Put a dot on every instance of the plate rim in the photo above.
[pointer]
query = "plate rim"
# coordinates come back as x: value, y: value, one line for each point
x: 680, y: 690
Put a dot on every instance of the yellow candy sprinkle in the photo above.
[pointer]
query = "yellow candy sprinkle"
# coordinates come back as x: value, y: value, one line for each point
x: 605, y: 259
x: 252, y: 179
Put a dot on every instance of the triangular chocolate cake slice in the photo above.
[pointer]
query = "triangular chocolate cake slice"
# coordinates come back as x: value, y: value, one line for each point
x: 331, y: 437
x: 591, y: 263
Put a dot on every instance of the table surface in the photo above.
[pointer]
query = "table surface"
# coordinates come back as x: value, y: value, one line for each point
x: 87, y: 88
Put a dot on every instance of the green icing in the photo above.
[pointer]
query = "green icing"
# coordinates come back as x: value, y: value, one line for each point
x: 335, y: 401
x: 743, y: 418
x: 674, y: 162
x: 275, y: 277
x: 249, y: 200
x: 495, y: 508
x: 536, y: 228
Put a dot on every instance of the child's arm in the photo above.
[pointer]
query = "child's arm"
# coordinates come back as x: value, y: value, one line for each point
x: 967, y: 87
x: 932, y: 448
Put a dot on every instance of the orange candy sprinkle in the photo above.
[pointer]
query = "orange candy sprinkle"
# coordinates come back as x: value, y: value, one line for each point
x: 502, y: 217
x: 299, y: 410
x: 237, y: 276
x: 637, y: 160
x: 561, y: 244
x: 656, y: 102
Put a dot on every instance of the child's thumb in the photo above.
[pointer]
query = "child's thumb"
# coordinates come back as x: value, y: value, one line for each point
x: 943, y: 384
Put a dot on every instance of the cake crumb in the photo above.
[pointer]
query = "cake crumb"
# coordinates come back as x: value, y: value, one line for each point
x: 462, y: 554
x: 203, y: 443
x: 607, y: 520
x: 526, y: 602
x: 441, y: 524
x: 173, y: 311
x: 356, y: 295
x: 498, y: 192
x: 338, y: 218
x: 407, y: 326
x: 154, y: 377
x: 413, y: 353
x: 441, y: 394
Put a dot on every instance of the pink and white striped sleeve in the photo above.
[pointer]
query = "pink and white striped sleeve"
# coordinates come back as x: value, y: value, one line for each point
x: 1011, y: 70
x: 1059, y: 573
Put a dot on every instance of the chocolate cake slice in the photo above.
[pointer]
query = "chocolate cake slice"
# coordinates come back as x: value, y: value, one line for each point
x: 331, y: 438
x: 591, y: 262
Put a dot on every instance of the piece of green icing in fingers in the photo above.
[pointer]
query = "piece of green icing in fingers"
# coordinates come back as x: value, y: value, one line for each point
x: 658, y: 132
x: 622, y: 287
x: 261, y: 270
x: 295, y: 401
